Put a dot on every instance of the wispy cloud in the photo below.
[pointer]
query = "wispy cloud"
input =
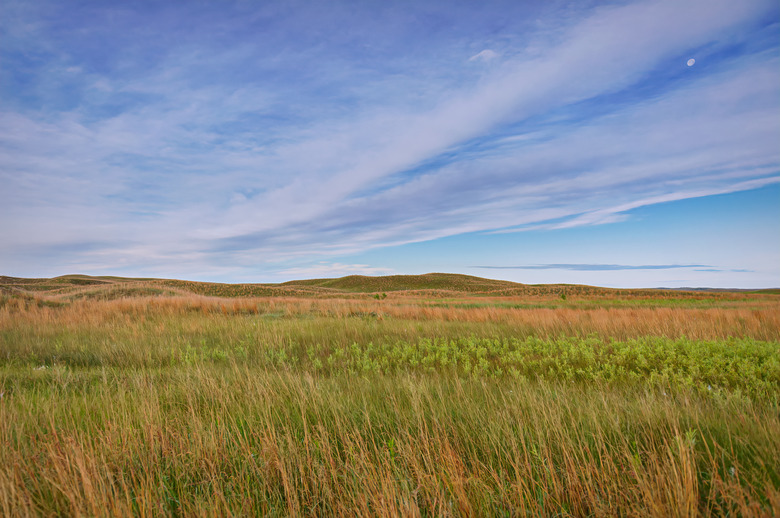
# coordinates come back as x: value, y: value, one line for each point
x: 597, y: 267
x: 326, y: 270
x: 617, y: 213
x: 224, y: 140
x: 730, y: 270
x: 484, y: 55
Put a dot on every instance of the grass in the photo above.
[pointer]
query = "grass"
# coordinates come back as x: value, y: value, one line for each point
x: 431, y: 281
x: 151, y: 399
x: 236, y: 440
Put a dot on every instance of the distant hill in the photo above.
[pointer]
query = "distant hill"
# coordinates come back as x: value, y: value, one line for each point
x: 85, y: 286
x: 428, y: 281
x: 768, y: 291
x: 73, y: 287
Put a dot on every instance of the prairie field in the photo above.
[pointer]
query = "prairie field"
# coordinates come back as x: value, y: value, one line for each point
x: 434, y: 395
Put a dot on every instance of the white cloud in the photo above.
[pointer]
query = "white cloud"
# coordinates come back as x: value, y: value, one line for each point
x: 485, y: 55
x: 169, y: 179
x: 614, y: 214
x: 631, y: 158
x: 601, y: 55
x: 327, y: 270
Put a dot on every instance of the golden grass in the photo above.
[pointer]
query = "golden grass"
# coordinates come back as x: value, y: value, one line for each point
x: 237, y: 441
x: 758, y: 319
x: 190, y: 405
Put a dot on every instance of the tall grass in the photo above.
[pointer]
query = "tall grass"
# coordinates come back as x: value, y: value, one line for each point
x: 758, y: 319
x: 236, y: 440
x: 195, y: 406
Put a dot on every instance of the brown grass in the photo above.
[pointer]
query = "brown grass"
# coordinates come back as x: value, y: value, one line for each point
x: 242, y: 442
x: 97, y: 419
x: 760, y: 319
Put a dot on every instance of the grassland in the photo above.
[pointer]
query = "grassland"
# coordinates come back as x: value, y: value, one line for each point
x: 399, y: 396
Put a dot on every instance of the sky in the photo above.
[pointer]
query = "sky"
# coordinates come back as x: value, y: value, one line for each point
x: 624, y: 144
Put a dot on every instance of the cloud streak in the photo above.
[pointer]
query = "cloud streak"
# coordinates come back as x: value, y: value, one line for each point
x: 597, y: 267
x: 326, y: 270
x: 247, y: 147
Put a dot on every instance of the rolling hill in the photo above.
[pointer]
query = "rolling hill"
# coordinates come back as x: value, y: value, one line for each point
x: 73, y: 287
x: 428, y: 281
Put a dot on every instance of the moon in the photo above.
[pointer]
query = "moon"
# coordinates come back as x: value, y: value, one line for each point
x: 691, y: 62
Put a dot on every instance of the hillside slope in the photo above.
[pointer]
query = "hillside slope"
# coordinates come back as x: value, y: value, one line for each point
x: 428, y: 281
x: 73, y: 287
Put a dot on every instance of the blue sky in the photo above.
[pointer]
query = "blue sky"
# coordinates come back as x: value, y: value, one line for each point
x: 266, y: 141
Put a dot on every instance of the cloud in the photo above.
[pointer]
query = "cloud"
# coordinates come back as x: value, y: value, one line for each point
x: 372, y: 149
x: 485, y: 55
x: 732, y: 270
x: 597, y: 267
x: 616, y: 213
x: 612, y: 165
x: 327, y: 270
x: 205, y: 148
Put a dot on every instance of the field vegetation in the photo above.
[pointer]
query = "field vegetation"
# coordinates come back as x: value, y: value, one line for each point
x: 433, y: 395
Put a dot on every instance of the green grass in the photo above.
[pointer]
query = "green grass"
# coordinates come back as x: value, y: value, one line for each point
x: 738, y: 366
x: 149, y: 336
x: 234, y: 439
x: 600, y: 303
x: 431, y: 284
x: 430, y: 281
x: 133, y: 400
